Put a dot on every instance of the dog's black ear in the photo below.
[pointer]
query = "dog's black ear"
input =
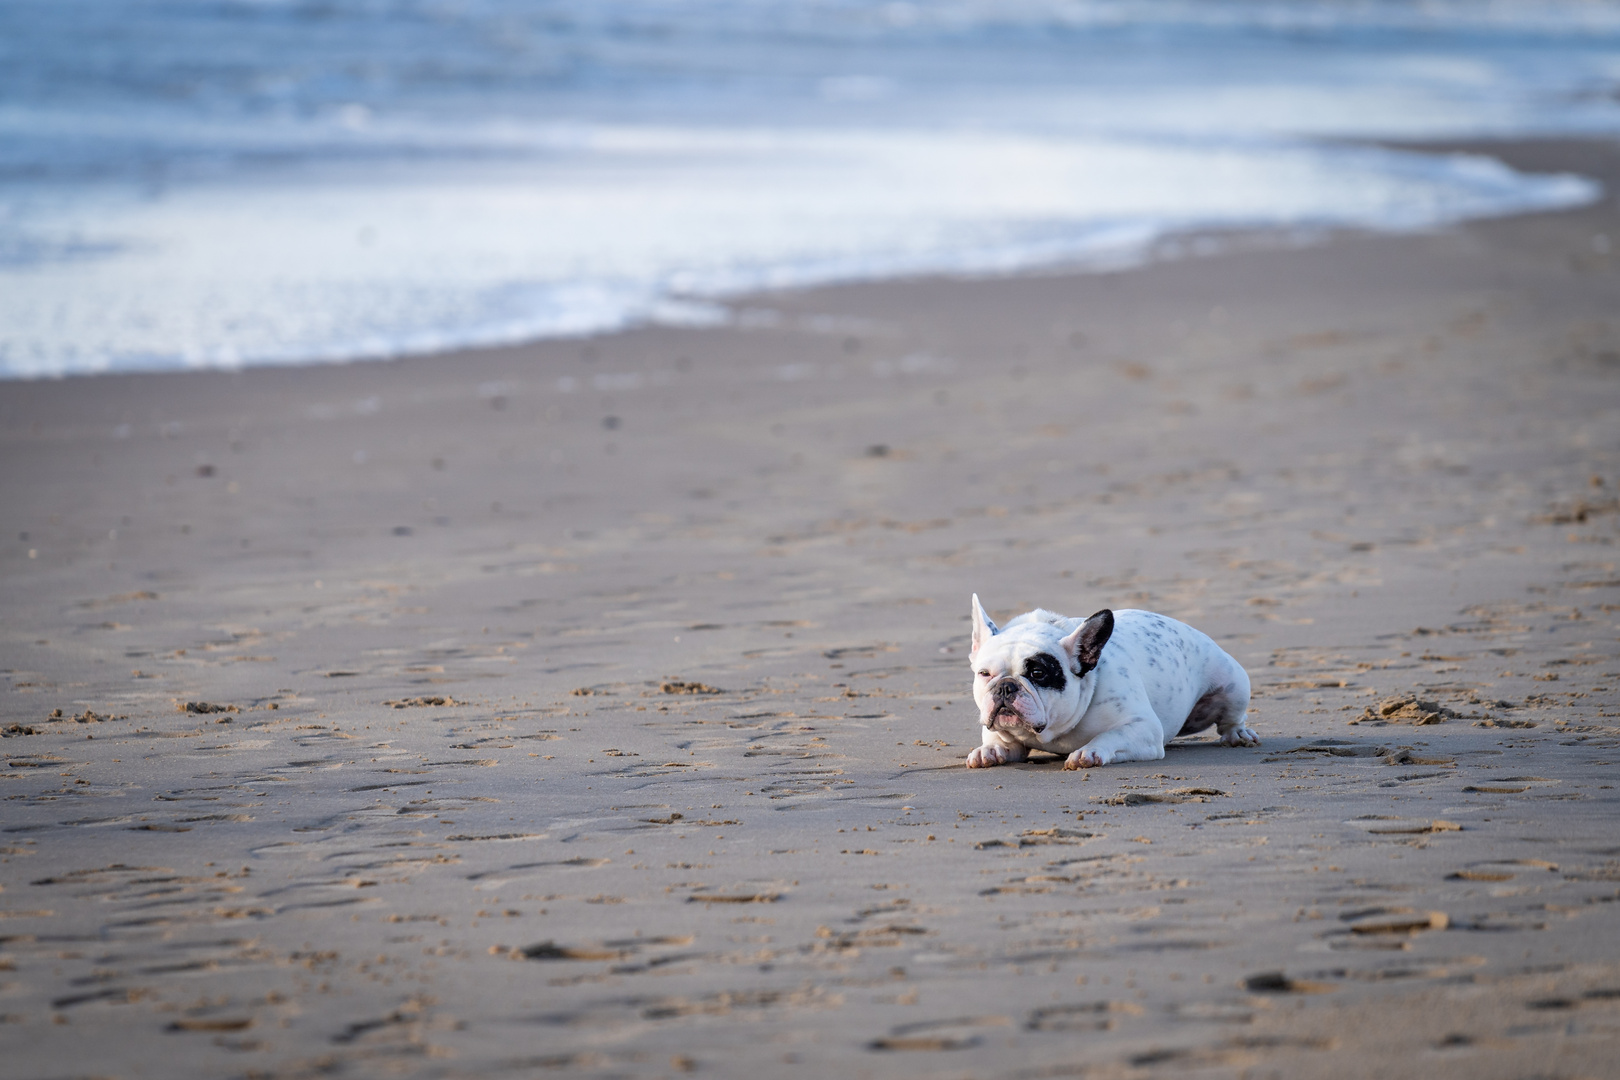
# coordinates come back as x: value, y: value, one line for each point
x: 983, y: 628
x: 1085, y: 645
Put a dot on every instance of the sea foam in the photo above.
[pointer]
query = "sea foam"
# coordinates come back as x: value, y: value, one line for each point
x: 641, y: 163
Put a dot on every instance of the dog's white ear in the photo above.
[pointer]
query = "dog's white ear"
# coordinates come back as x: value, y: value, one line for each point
x: 1085, y: 645
x: 983, y: 628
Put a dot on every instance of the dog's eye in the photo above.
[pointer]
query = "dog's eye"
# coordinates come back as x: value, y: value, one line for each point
x: 1043, y: 670
x: 984, y: 674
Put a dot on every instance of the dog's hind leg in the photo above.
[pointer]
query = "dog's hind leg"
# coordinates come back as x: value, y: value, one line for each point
x: 1239, y: 733
x: 1141, y: 739
x: 1232, y: 721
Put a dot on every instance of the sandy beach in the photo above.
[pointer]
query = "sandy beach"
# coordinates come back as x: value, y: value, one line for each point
x: 598, y: 707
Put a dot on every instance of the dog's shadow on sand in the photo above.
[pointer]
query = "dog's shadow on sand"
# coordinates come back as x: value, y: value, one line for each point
x: 1175, y: 754
x: 1177, y: 750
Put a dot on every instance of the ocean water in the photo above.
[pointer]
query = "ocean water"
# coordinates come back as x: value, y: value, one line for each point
x: 207, y: 183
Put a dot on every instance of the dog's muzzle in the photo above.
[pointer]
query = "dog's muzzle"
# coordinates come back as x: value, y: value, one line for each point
x: 1004, y: 703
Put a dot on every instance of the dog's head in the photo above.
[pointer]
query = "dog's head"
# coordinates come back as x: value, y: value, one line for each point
x: 1031, y: 676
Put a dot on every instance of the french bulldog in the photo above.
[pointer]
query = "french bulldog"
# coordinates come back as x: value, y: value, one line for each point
x: 1115, y: 687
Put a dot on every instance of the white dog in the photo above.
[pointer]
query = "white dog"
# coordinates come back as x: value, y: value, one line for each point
x: 1114, y: 687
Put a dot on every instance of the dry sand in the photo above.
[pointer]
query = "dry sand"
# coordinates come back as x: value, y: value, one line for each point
x: 463, y: 818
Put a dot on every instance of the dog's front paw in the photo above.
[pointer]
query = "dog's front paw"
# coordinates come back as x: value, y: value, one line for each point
x: 983, y: 757
x: 1242, y: 735
x: 1085, y: 758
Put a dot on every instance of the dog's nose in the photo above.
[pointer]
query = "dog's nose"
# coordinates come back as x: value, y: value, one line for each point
x: 1006, y: 690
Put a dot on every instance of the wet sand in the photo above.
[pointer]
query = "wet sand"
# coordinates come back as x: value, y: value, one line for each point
x: 598, y: 708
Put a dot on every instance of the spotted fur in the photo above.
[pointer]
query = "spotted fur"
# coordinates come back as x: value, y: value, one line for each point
x: 1127, y: 682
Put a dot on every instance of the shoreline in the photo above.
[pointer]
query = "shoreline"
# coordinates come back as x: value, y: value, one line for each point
x: 620, y: 730
x: 1170, y: 245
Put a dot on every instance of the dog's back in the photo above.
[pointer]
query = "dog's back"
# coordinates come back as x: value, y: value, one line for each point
x: 1191, y: 682
x: 1041, y: 615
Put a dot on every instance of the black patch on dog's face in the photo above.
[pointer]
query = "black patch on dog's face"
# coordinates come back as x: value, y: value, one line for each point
x: 1044, y: 670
